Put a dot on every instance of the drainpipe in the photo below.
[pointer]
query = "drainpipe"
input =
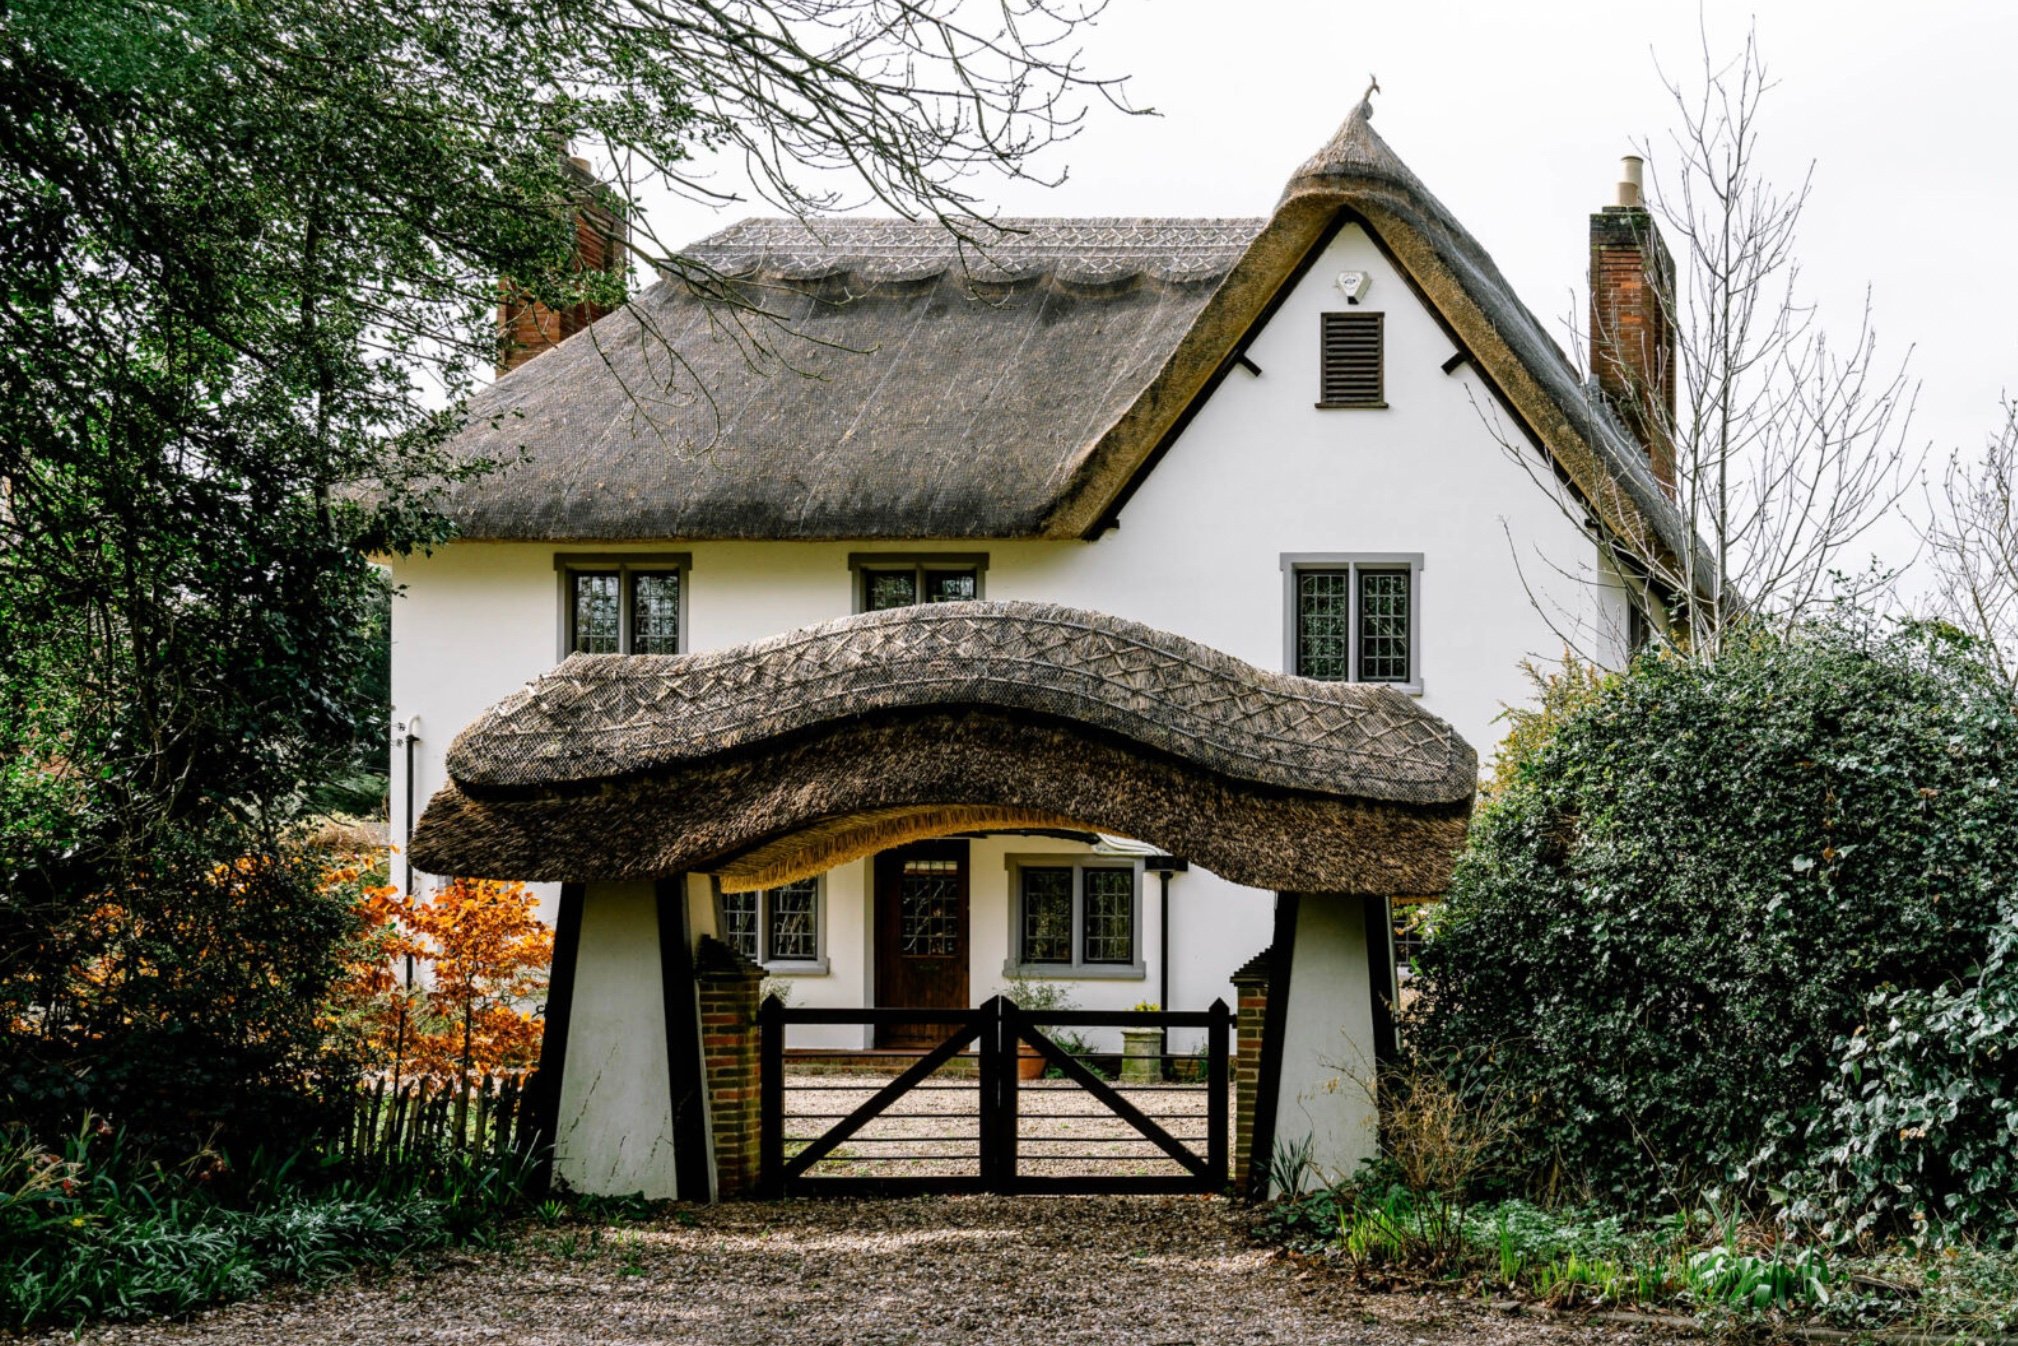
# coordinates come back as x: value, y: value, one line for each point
x: 1163, y: 866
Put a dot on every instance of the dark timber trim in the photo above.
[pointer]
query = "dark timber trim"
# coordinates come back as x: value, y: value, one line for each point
x: 1275, y: 1022
x: 544, y: 1107
x: 1111, y: 516
x: 693, y: 1169
x: 1380, y: 966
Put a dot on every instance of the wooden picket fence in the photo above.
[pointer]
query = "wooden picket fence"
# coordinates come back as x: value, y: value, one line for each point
x: 428, y: 1119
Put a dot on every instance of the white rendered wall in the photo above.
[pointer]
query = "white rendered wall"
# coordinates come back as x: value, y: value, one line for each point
x: 615, y: 1131
x: 1326, y: 1096
x: 1258, y: 474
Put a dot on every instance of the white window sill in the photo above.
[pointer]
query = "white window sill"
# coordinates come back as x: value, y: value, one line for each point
x: 797, y: 967
x: 1076, y: 971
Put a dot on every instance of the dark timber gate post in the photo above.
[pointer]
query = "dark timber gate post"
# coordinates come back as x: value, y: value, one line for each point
x: 1008, y: 1036
x: 1215, y: 1098
x: 771, y: 1093
x: 996, y: 1127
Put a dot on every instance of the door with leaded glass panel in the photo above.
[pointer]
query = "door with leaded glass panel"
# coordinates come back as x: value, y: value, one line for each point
x: 921, y: 936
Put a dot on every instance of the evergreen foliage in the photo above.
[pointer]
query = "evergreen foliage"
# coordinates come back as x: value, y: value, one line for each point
x: 1673, y: 917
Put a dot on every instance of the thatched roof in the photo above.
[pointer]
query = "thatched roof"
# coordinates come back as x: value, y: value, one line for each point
x: 785, y: 757
x: 1016, y: 391
x: 895, y: 389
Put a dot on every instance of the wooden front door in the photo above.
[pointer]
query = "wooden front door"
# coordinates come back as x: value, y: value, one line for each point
x: 921, y: 935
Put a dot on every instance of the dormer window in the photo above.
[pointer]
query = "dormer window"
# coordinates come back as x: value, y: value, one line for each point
x: 1350, y: 363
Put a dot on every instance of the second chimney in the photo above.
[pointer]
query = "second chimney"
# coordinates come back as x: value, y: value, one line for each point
x: 1632, y: 334
x: 527, y: 327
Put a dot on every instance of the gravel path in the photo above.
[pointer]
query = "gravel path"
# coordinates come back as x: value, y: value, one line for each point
x: 1001, y: 1271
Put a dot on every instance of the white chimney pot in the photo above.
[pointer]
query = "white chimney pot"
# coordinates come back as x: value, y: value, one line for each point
x: 1631, y: 185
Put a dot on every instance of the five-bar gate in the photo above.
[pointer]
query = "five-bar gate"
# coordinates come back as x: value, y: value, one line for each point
x: 999, y: 1103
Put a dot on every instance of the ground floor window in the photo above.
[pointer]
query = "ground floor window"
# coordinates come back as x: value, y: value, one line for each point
x: 1410, y: 916
x: 1074, y: 915
x: 774, y: 925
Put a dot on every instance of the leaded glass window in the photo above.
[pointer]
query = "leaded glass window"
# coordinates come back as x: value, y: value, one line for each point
x: 894, y: 583
x: 655, y: 612
x: 1324, y: 624
x: 891, y: 589
x: 950, y: 586
x: 1110, y: 915
x: 928, y: 914
x: 613, y: 605
x: 1047, y: 915
x: 739, y: 924
x: 776, y: 925
x: 1354, y: 621
x: 1383, y: 626
x: 794, y: 923
x: 595, y: 621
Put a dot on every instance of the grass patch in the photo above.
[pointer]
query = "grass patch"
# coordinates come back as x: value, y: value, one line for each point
x: 1719, y: 1269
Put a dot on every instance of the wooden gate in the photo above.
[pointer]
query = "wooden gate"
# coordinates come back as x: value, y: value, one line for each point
x: 957, y: 1114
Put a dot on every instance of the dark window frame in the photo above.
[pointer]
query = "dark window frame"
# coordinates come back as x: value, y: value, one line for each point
x: 1077, y: 965
x: 862, y: 565
x: 767, y: 956
x: 1340, y: 339
x: 1355, y: 565
x: 627, y: 567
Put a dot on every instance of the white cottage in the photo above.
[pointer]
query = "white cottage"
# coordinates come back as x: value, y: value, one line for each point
x: 1329, y: 443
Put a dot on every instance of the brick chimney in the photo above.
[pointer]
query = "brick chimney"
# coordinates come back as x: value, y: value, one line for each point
x: 1632, y: 335
x: 527, y: 328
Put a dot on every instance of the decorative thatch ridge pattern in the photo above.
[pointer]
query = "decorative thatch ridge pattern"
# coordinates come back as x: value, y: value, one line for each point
x: 600, y: 717
x: 783, y: 758
x: 1083, y: 252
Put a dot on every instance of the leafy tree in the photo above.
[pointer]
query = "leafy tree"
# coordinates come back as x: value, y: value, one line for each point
x: 1683, y: 894
x: 249, y: 259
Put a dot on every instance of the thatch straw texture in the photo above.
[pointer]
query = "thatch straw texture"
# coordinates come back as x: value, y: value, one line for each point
x: 783, y: 758
x: 884, y: 386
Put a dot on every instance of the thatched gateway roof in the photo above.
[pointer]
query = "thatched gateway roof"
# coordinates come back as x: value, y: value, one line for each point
x: 783, y: 758
x: 915, y: 391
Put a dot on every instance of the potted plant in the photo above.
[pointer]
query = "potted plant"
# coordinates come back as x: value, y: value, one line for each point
x: 1142, y: 1050
x: 1037, y: 997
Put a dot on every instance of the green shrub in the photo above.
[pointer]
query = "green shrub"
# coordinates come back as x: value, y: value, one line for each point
x: 1922, y: 1119
x: 92, y: 1233
x: 1681, y: 899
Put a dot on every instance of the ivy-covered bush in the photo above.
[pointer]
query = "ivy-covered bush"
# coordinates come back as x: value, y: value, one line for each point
x: 1681, y: 899
x: 1923, y: 1116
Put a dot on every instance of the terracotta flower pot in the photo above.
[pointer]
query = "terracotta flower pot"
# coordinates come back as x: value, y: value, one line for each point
x: 1029, y: 1065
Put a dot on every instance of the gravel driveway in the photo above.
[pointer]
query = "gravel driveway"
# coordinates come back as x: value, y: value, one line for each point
x: 1004, y: 1271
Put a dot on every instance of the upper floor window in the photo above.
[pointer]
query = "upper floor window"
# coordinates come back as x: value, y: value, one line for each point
x: 1351, y: 360
x: 1354, y: 618
x: 774, y: 925
x: 1075, y: 914
x: 902, y: 581
x: 623, y: 604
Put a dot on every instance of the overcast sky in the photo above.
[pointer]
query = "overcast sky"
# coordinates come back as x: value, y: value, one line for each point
x: 1515, y: 115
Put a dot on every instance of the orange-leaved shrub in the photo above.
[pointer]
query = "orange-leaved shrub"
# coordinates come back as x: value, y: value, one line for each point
x: 479, y: 957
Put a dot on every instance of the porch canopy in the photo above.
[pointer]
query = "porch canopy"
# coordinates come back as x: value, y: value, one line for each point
x: 777, y: 760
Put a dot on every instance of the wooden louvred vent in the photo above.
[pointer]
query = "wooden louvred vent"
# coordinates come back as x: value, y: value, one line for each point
x: 1350, y: 365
